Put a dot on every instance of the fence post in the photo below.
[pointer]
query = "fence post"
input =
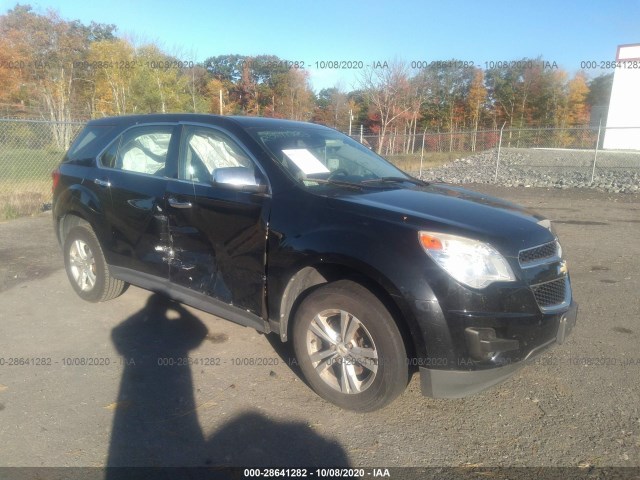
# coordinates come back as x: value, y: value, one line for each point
x: 595, y: 155
x: 495, y: 178
x: 422, y: 152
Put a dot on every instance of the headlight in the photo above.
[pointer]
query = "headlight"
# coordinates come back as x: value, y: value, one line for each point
x: 474, y: 263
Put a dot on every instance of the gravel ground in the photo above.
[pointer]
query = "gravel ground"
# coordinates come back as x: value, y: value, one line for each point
x: 579, y: 405
x: 616, y: 172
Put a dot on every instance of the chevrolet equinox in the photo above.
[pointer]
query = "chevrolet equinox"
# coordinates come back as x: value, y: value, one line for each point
x: 296, y: 229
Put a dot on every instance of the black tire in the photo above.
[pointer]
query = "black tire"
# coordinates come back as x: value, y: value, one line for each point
x: 365, y: 385
x: 86, y: 267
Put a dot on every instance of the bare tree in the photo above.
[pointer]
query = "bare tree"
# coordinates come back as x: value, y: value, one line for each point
x: 387, y: 89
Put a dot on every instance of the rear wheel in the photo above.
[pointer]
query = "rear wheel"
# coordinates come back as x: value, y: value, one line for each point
x: 86, y: 267
x: 349, y: 347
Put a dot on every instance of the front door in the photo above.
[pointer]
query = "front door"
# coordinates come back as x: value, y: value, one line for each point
x: 218, y: 233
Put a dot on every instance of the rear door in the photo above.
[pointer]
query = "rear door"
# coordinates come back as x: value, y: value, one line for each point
x: 218, y: 232
x: 133, y: 174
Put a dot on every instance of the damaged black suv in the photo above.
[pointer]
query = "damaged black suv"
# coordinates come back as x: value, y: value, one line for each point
x: 297, y: 229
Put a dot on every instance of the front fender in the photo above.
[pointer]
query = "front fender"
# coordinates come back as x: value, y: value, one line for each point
x: 299, y: 262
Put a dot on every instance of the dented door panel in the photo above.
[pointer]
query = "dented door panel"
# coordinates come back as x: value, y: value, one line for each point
x: 218, y: 244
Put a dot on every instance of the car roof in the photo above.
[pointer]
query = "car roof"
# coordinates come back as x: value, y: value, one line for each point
x: 237, y: 121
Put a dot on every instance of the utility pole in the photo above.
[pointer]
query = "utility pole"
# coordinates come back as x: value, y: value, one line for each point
x: 350, y: 120
x: 220, y: 101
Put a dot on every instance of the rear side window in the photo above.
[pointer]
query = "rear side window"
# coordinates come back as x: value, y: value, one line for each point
x: 89, y: 142
x: 140, y: 150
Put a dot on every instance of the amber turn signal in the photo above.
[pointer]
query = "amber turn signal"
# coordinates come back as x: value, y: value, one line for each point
x: 430, y: 242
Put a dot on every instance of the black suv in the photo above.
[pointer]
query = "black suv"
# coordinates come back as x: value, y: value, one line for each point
x: 297, y: 229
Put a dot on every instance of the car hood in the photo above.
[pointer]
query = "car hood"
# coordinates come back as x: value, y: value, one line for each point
x: 455, y: 210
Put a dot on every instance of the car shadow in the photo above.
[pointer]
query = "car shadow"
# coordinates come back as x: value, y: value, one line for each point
x: 156, y: 423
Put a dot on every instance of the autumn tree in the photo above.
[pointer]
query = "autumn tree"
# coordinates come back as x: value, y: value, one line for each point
x: 65, y: 70
x: 220, y: 102
x: 13, y: 63
x: 334, y: 108
x: 55, y: 50
x: 294, y: 94
x: 526, y: 93
x: 577, y: 107
x: 387, y: 91
x: 112, y: 93
x: 476, y: 101
x: 507, y: 86
x: 197, y: 87
x: 446, y: 89
x: 361, y: 107
x: 247, y: 90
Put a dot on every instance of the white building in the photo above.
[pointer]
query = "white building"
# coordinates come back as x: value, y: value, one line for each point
x: 624, y: 105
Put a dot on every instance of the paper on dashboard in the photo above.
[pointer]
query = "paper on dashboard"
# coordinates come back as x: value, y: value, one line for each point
x: 305, y: 161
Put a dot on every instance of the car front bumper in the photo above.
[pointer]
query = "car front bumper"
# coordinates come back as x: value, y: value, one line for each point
x: 468, y: 377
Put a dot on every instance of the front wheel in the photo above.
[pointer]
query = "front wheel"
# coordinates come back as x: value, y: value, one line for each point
x: 86, y: 267
x: 349, y: 347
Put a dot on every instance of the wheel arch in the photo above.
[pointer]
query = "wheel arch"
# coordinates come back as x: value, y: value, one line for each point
x: 75, y: 206
x: 67, y: 222
x: 309, y: 277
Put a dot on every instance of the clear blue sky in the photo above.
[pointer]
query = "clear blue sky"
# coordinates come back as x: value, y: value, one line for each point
x: 566, y: 32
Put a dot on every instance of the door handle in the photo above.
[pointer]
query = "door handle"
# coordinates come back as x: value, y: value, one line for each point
x: 102, y: 183
x: 178, y: 204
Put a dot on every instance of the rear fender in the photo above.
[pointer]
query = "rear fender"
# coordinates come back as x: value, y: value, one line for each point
x: 79, y: 201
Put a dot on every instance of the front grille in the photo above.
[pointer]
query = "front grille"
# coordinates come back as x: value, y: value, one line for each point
x: 551, y: 294
x: 536, y: 254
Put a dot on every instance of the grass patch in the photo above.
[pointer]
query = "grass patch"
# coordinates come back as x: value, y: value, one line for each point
x: 27, y: 164
x: 20, y: 205
x: 20, y: 198
x: 410, y: 163
x: 25, y: 180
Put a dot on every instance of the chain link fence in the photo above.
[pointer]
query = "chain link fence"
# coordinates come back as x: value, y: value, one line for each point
x: 29, y: 151
x: 549, y: 157
x: 562, y: 157
x: 605, y: 158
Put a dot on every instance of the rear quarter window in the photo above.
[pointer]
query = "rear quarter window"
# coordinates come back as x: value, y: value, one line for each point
x: 89, y: 142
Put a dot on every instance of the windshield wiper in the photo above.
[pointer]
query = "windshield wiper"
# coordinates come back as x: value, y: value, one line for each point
x: 333, y: 181
x: 415, y: 181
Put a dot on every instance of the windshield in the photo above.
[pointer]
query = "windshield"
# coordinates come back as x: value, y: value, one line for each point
x: 315, y: 155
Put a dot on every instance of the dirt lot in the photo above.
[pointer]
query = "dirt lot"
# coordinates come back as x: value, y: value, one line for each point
x: 99, y: 388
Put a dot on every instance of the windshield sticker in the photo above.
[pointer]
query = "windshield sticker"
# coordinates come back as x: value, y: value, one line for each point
x: 305, y: 161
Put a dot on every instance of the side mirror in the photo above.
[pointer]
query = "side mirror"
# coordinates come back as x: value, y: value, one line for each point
x: 239, y: 178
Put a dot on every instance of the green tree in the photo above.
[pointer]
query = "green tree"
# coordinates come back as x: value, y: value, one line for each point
x: 333, y: 108
x: 600, y: 90
x: 226, y: 68
x: 159, y: 85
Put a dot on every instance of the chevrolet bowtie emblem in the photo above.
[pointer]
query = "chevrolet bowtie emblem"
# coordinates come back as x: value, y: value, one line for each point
x: 563, y: 269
